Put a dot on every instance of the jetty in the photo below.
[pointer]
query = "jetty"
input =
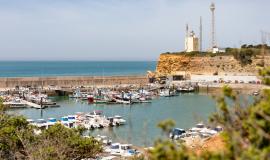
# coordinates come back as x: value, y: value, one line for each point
x: 31, y: 104
x: 69, y: 81
x: 23, y: 103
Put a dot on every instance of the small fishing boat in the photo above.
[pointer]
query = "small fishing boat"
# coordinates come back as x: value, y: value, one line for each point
x: 167, y: 93
x: 256, y: 93
x: 30, y: 121
x: 65, y: 121
x: 41, y: 123
x: 123, y: 150
x: 177, y: 133
x: 186, y: 89
x: 51, y: 122
x: 119, y: 120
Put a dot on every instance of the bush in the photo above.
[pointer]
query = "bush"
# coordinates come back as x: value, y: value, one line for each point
x: 18, y: 141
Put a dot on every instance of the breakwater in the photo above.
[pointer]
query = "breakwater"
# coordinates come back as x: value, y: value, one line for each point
x: 69, y: 81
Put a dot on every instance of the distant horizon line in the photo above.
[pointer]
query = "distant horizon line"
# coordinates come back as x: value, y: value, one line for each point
x: 78, y: 60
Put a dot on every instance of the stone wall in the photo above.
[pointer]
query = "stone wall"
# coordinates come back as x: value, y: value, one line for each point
x: 72, y: 81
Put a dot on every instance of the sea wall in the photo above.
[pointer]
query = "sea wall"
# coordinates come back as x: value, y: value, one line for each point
x: 226, y: 64
x: 69, y: 81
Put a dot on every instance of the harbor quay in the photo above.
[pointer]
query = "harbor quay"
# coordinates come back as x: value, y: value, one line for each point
x: 69, y: 81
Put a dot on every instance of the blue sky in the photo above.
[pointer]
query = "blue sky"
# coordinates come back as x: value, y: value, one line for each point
x: 121, y: 29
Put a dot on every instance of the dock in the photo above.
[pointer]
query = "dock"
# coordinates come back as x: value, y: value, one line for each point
x: 34, y: 105
x: 15, y: 104
x: 23, y: 103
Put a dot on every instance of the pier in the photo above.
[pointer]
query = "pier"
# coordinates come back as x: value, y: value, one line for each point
x: 25, y: 103
x: 33, y: 105
x: 69, y: 81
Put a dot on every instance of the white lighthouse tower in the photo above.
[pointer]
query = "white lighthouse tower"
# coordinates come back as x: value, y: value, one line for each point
x: 191, y: 42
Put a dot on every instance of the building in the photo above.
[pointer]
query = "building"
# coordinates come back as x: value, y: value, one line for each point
x: 191, y: 42
x: 218, y: 50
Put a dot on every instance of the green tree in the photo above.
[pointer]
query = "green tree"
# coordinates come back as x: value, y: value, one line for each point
x: 265, y: 73
x: 59, y: 142
x: 19, y: 141
x: 166, y: 126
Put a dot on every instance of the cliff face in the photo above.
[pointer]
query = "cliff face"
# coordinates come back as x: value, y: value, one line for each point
x: 171, y: 64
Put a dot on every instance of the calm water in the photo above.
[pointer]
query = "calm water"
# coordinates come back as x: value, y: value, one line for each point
x: 142, y: 119
x: 73, y: 68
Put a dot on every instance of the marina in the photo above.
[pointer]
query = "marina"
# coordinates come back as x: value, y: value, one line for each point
x: 139, y: 107
x: 118, y: 80
x: 141, y: 118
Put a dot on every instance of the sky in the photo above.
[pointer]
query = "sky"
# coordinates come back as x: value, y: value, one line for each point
x: 132, y: 30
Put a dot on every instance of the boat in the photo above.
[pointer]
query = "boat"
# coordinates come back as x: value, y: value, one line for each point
x: 186, y: 89
x: 41, y: 123
x: 65, y: 121
x: 51, y: 122
x: 123, y: 150
x: 15, y: 102
x: 76, y: 94
x: 97, y: 100
x: 104, y: 140
x: 177, y: 133
x: 256, y: 93
x: 119, y: 120
x: 71, y: 118
x: 111, y: 121
x: 122, y: 101
x: 30, y: 121
x: 167, y: 93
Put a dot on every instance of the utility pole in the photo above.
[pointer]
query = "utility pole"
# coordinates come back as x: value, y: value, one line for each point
x: 186, y: 39
x: 201, y: 34
x: 212, y: 8
x: 264, y: 36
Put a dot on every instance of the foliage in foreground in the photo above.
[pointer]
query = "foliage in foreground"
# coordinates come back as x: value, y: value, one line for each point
x: 246, y: 132
x: 18, y: 141
x: 265, y: 73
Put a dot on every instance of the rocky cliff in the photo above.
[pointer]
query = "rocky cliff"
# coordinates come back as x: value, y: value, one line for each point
x: 219, y: 64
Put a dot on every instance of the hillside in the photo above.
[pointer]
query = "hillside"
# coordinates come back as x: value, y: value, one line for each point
x: 208, y: 64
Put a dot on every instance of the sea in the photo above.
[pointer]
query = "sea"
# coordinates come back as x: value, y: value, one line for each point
x: 74, y: 68
x: 142, y: 119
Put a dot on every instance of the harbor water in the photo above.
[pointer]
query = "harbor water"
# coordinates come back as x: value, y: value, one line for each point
x: 142, y: 119
x: 74, y: 68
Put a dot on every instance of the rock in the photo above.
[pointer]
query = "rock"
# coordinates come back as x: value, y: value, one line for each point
x: 226, y: 64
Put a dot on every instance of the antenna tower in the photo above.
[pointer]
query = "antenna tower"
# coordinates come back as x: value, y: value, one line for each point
x: 201, y: 34
x: 212, y: 8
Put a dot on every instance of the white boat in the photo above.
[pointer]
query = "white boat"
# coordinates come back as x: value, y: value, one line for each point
x: 255, y: 93
x: 76, y: 94
x: 165, y: 93
x: 122, y: 101
x: 119, y: 120
x: 15, y: 102
x: 41, y: 123
x: 30, y: 121
x: 109, y: 158
x: 72, y: 118
x: 51, y: 122
x: 186, y: 89
x: 64, y: 121
x: 104, y: 140
x: 123, y: 150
